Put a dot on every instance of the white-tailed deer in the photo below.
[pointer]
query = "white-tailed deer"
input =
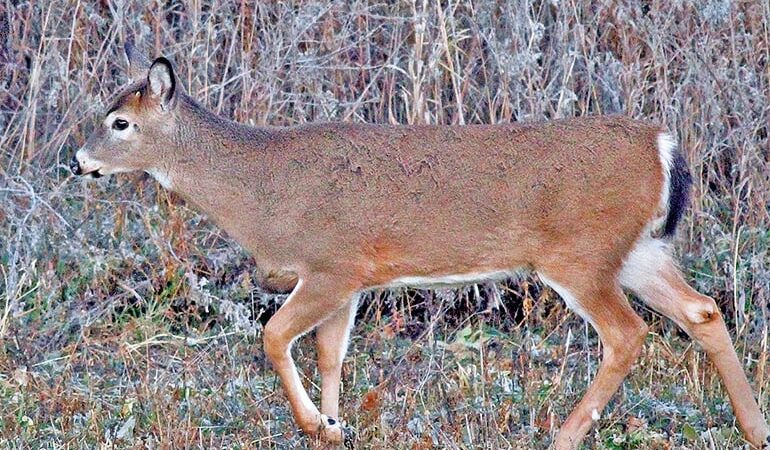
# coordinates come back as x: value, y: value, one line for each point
x: 331, y: 210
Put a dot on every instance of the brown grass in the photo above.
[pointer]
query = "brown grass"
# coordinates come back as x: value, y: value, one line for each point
x: 128, y: 321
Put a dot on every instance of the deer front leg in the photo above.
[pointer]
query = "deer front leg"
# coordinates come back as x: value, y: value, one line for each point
x: 313, y: 300
x: 332, y: 342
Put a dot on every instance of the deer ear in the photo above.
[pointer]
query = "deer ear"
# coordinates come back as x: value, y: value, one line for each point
x: 162, y: 81
x: 138, y: 64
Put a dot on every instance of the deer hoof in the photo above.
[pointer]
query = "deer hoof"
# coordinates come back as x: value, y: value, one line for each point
x: 331, y: 433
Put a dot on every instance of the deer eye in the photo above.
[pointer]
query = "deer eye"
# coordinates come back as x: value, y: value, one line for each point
x: 120, y: 124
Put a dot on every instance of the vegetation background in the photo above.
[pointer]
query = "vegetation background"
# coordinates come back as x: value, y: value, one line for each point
x: 128, y: 321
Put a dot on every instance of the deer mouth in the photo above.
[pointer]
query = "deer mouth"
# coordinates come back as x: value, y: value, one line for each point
x: 77, y: 169
x: 94, y: 174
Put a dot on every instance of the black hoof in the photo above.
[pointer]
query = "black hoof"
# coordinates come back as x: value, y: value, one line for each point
x: 348, y: 437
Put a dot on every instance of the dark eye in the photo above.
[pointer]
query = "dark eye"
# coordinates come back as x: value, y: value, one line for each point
x: 120, y: 124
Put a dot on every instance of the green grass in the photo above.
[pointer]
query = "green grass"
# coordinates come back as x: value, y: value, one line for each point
x: 440, y: 389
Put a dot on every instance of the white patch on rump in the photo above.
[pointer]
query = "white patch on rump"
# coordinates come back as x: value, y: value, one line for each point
x: 666, y: 148
x: 641, y: 269
x: 649, y: 273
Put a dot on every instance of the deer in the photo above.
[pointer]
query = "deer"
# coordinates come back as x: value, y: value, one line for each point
x: 331, y: 210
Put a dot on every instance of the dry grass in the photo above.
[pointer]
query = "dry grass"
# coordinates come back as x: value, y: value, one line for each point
x: 127, y: 321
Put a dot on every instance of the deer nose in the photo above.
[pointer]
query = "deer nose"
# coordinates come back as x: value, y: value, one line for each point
x: 75, y: 166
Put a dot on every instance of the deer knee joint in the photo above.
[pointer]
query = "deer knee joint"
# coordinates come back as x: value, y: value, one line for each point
x: 638, y: 339
x: 702, y: 311
x: 635, y: 335
x: 625, y: 348
x: 634, y: 341
x: 328, y: 363
x: 642, y: 331
x: 274, y: 344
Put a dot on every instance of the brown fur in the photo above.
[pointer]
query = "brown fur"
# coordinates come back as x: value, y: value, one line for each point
x: 318, y: 197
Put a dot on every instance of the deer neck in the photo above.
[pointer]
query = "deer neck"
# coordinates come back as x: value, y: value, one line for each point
x: 205, y: 150
x: 216, y: 164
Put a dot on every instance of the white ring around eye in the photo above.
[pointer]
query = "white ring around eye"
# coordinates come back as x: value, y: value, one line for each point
x: 124, y: 134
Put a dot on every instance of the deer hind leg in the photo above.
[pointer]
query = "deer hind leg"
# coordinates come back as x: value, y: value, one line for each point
x: 314, y: 299
x: 332, y: 342
x: 651, y: 274
x: 622, y: 333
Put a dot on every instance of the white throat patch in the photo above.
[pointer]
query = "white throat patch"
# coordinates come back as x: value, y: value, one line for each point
x: 161, y: 177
